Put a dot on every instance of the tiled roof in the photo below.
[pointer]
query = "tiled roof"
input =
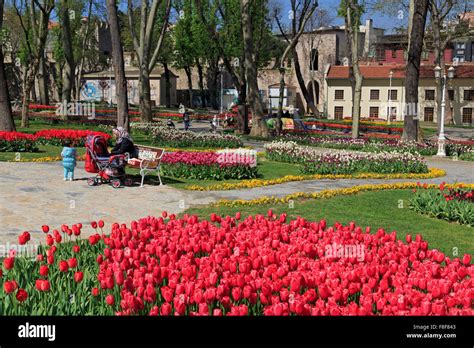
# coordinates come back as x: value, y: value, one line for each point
x: 466, y: 70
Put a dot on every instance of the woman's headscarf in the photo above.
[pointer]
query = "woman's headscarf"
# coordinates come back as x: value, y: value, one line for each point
x: 122, y: 134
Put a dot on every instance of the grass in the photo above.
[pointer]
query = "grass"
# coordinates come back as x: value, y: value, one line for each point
x: 266, y: 169
x: 44, y: 151
x: 378, y: 209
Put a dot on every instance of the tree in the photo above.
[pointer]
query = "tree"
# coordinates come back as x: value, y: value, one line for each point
x: 67, y: 45
x: 445, y: 28
x: 419, y: 11
x: 308, y: 8
x: 6, y: 117
x: 259, y: 126
x: 185, y: 52
x: 143, y: 45
x: 34, y: 19
x: 352, y: 12
x: 119, y: 66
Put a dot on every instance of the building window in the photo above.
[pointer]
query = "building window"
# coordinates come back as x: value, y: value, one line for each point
x: 467, y: 115
x: 468, y: 94
x: 338, y: 112
x: 429, y: 113
x: 314, y: 59
x: 374, y: 112
x: 461, y: 46
x: 451, y: 94
x: 339, y: 94
x: 425, y: 55
x: 394, y: 54
x: 374, y: 94
x: 430, y: 94
x: 392, y: 94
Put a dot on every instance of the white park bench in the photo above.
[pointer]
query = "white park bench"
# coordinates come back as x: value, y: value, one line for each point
x: 148, y: 161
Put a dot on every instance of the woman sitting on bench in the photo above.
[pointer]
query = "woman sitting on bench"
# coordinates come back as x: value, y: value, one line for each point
x: 123, y: 143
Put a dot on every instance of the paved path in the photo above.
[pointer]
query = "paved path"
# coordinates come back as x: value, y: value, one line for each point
x: 33, y: 194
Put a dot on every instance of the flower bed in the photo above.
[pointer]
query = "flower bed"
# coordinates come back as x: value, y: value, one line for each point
x: 247, y: 184
x: 229, y: 266
x: 315, y: 162
x: 444, y: 202
x: 363, y: 127
x: 220, y: 165
x: 181, y: 139
x: 329, y: 193
x: 23, y: 142
x: 58, y: 136
x: 427, y: 148
x: 17, y: 142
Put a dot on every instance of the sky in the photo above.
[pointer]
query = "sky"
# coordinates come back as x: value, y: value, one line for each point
x: 380, y: 20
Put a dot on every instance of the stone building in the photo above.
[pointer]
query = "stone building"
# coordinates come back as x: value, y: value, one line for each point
x: 380, y: 93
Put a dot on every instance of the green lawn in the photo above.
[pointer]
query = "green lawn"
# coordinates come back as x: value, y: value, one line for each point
x: 378, y: 209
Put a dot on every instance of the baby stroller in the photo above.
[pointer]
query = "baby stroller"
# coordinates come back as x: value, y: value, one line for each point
x: 109, y: 168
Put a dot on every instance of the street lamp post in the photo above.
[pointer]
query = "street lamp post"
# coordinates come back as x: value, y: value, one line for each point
x: 389, y: 115
x: 442, y: 78
x: 221, y: 69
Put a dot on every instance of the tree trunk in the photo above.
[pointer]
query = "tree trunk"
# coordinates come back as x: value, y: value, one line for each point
x: 145, y: 96
x: 279, y: 124
x: 79, y: 69
x: 42, y: 81
x: 242, y: 111
x: 119, y: 66
x: 259, y: 126
x: 6, y: 116
x: 167, y: 85
x: 68, y: 77
x: 189, y: 75
x: 411, y: 122
x: 354, y: 70
x: 201, y: 84
x: 299, y: 76
x: 24, y: 105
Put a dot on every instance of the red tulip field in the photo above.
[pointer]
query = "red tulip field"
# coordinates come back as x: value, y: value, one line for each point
x: 258, y: 265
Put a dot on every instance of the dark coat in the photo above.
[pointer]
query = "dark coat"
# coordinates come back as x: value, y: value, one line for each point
x: 124, y: 146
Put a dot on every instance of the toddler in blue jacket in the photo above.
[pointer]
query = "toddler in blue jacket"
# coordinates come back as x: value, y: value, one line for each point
x: 69, y: 160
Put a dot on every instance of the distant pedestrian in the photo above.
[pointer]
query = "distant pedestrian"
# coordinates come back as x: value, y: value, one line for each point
x: 186, y: 119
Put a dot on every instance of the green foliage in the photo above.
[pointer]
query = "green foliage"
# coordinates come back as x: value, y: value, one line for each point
x: 208, y: 172
x: 455, y: 206
x: 357, y: 10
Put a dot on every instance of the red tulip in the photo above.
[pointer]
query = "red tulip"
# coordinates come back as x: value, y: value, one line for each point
x: 78, y: 276
x: 42, y: 285
x: 45, y: 228
x: 164, y: 214
x: 21, y: 295
x: 72, y: 262
x: 236, y: 294
x: 76, y: 248
x: 110, y: 299
x: 24, y: 238
x: 63, y: 266
x: 94, y: 225
x: 8, y: 263
x: 9, y: 286
x: 165, y: 309
x: 44, y: 270
x: 466, y: 260
x: 101, y: 223
x: 95, y: 292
